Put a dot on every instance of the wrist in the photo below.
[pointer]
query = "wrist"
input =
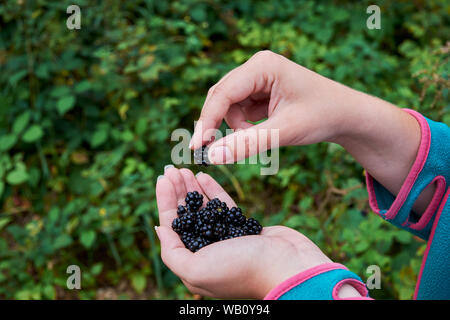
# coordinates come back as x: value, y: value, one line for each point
x: 384, y: 139
x: 287, y: 271
x: 348, y: 291
x: 358, y: 115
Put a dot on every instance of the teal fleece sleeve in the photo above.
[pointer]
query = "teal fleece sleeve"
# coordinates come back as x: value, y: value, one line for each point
x: 433, y: 282
x: 322, y: 282
x: 432, y: 165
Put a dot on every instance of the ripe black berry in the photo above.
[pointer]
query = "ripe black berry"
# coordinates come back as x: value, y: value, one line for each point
x: 201, y: 156
x: 198, y: 228
x: 176, y: 225
x: 235, y: 217
x: 194, y: 201
x: 181, y: 210
x: 187, y: 222
x: 235, y: 232
x: 252, y: 226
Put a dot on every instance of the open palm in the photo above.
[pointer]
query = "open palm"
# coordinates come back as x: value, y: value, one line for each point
x: 244, y: 267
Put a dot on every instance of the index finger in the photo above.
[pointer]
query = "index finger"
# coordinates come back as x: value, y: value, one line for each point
x: 214, y: 190
x: 249, y: 78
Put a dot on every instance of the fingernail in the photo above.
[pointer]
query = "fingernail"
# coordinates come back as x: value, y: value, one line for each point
x: 198, y: 173
x: 159, y: 177
x: 221, y: 154
x: 190, y: 144
x: 156, y: 230
x: 168, y: 167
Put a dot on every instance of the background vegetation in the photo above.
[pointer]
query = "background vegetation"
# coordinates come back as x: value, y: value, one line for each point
x: 86, y: 117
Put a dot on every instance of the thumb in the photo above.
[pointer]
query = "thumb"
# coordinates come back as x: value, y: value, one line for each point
x: 245, y: 143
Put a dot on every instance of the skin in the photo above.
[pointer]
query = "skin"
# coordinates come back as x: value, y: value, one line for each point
x: 306, y: 108
x: 258, y: 264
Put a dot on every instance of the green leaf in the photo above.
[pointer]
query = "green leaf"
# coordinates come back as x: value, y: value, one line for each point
x: 446, y: 119
x: 362, y: 246
x: 49, y: 292
x: 294, y: 221
x: 139, y: 282
x: 403, y: 236
x: 99, y: 137
x: 2, y: 188
x: 17, y: 176
x: 83, y: 86
x: 87, y: 238
x: 21, y: 122
x: 7, y: 142
x: 33, y: 133
x: 16, y: 77
x: 60, y: 91
x: 97, y: 268
x: 127, y: 136
x: 65, y: 104
x: 4, y: 222
x: 62, y: 241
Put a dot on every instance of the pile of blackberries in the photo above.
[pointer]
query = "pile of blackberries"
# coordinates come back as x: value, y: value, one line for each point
x: 199, y: 227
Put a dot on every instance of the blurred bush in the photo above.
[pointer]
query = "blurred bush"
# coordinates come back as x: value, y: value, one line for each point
x: 86, y: 117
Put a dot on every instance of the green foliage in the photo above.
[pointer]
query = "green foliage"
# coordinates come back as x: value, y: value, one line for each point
x: 86, y: 117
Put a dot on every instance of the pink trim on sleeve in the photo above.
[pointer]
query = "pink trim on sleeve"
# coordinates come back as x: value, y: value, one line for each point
x: 416, y: 168
x: 431, y: 208
x: 430, y: 241
x: 358, y: 285
x: 290, y: 283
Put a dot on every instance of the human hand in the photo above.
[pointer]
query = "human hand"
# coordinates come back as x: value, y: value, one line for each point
x: 244, y: 267
x: 307, y: 108
x: 304, y: 106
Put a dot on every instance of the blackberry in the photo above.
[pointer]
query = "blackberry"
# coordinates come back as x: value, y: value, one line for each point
x: 213, y: 231
x: 194, y: 244
x: 176, y: 225
x: 235, y: 232
x: 219, y: 230
x: 252, y: 226
x: 187, y: 222
x: 213, y: 204
x: 187, y: 237
x: 218, y: 207
x: 201, y: 156
x: 216, y: 203
x: 194, y: 201
x: 198, y: 228
x: 181, y: 210
x: 197, y: 243
x: 226, y: 237
x: 204, y: 216
x: 235, y: 217
x: 207, y: 231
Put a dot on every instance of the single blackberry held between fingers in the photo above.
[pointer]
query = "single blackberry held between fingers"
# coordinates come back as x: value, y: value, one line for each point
x: 201, y: 156
x: 199, y: 227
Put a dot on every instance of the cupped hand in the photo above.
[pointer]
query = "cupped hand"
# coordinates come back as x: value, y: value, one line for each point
x: 304, y: 106
x: 244, y: 267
